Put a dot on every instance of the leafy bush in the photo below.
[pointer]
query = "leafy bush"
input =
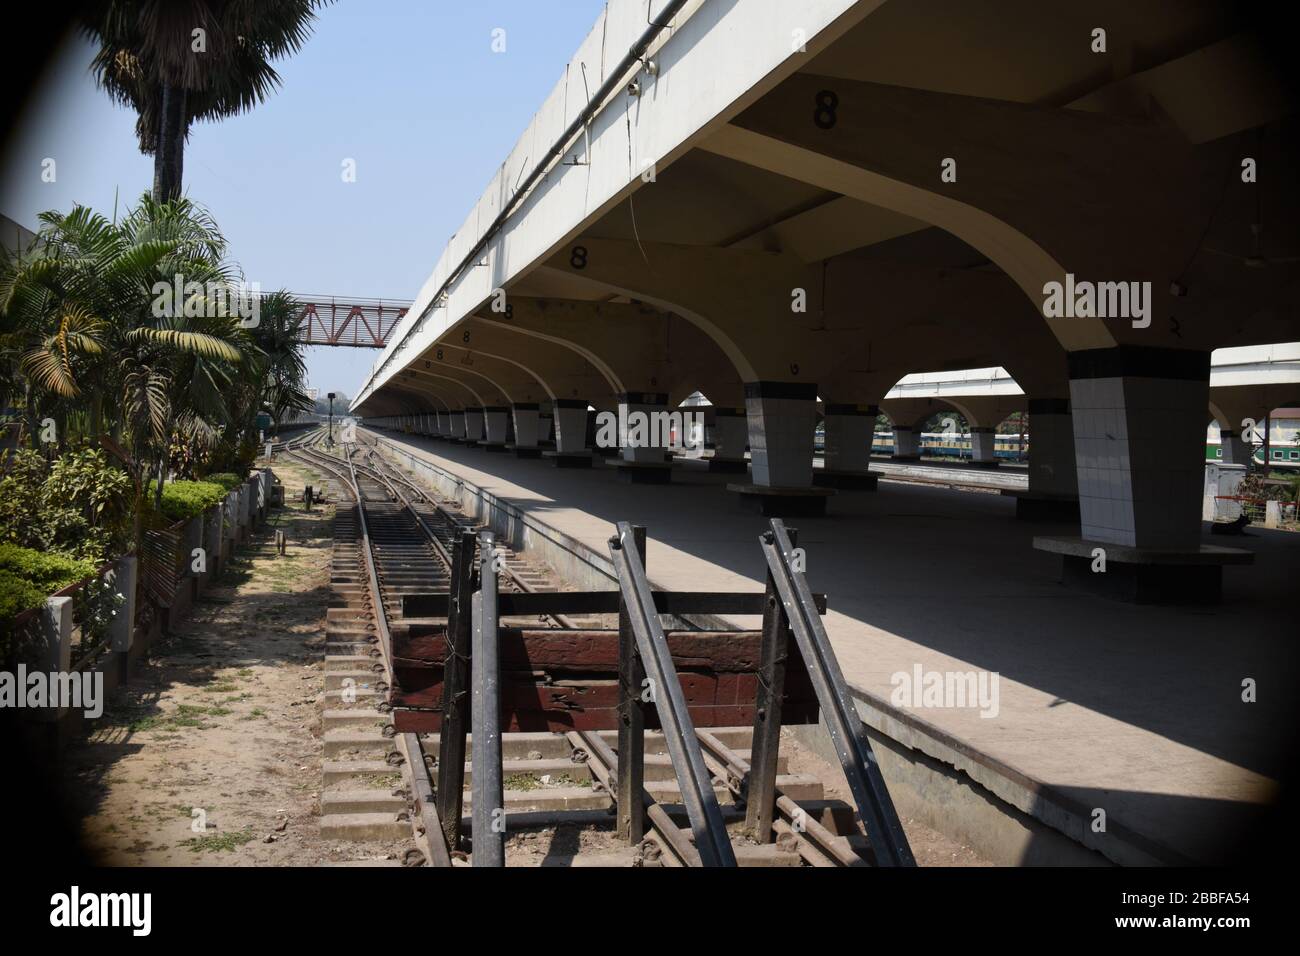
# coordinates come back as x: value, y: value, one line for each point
x: 225, y: 479
x: 17, y: 595
x: 182, y: 500
x: 45, y: 571
x: 78, y: 504
x: 27, y: 578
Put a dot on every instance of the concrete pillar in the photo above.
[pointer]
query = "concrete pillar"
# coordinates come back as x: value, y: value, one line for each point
x: 1139, y: 438
x: 907, y: 443
x: 781, y: 418
x: 123, y: 579
x: 640, y: 437
x: 1235, y: 450
x: 570, y: 425
x: 56, y: 638
x: 473, y: 424
x: 56, y: 634
x: 457, y: 424
x: 212, y: 539
x: 981, y: 446
x: 730, y: 436
x: 229, y: 525
x: 527, y: 421
x: 254, y: 500
x: 848, y: 434
x: 1052, y: 470
x: 268, y: 480
x: 494, y: 423
x: 193, y: 538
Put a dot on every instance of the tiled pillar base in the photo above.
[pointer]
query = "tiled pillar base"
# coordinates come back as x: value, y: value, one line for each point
x: 982, y: 448
x: 849, y: 431
x: 494, y: 425
x: 1139, y: 437
x: 781, y: 418
x: 570, y: 426
x: 907, y: 443
x: 1235, y: 451
x: 1053, y: 493
x: 473, y: 424
x: 526, y: 429
x: 640, y: 437
x: 730, y: 436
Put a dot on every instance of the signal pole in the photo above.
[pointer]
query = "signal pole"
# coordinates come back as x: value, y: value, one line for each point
x: 330, y: 442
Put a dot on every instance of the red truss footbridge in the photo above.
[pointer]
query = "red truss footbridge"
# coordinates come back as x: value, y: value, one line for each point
x: 348, y: 321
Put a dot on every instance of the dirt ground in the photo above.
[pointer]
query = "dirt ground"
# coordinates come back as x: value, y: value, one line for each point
x: 212, y: 754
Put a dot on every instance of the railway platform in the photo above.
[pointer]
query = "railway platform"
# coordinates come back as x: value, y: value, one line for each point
x: 1112, y: 732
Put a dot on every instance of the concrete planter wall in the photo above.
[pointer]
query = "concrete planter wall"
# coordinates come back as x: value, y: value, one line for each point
x: 217, y: 531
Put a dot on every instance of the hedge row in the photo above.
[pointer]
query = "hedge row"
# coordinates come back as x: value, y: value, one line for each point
x: 28, y: 577
x: 45, y: 570
x: 226, y: 480
x: 182, y: 500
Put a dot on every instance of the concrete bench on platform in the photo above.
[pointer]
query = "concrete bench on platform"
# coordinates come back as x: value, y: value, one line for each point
x: 569, y: 459
x: 774, y: 502
x: 845, y: 480
x: 643, y: 472
x: 728, y: 466
x: 1143, y: 575
x: 1036, y: 506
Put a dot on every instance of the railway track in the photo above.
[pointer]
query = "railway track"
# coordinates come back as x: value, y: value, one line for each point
x: 393, y: 540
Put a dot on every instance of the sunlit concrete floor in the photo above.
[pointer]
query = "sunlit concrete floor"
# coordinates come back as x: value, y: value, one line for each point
x: 1137, y: 710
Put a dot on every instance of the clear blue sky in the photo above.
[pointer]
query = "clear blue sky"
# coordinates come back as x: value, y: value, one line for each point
x: 410, y: 89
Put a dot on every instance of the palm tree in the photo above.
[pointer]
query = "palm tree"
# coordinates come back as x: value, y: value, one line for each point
x: 83, y: 313
x: 283, y: 388
x: 182, y: 61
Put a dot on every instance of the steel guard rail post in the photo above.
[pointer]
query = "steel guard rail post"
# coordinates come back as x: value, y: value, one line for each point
x: 455, y: 689
x: 760, y: 789
x: 693, y: 778
x: 488, y: 824
x: 848, y: 736
x: 631, y: 720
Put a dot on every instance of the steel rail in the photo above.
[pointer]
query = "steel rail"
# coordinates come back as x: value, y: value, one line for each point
x: 433, y: 838
x: 604, y: 765
x: 848, y: 736
x: 833, y: 849
x: 515, y: 578
x: 693, y: 778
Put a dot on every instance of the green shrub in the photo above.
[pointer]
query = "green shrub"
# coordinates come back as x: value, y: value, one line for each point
x: 17, y: 595
x: 79, y: 504
x: 48, y: 572
x: 27, y: 578
x: 226, y: 480
x: 182, y: 500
